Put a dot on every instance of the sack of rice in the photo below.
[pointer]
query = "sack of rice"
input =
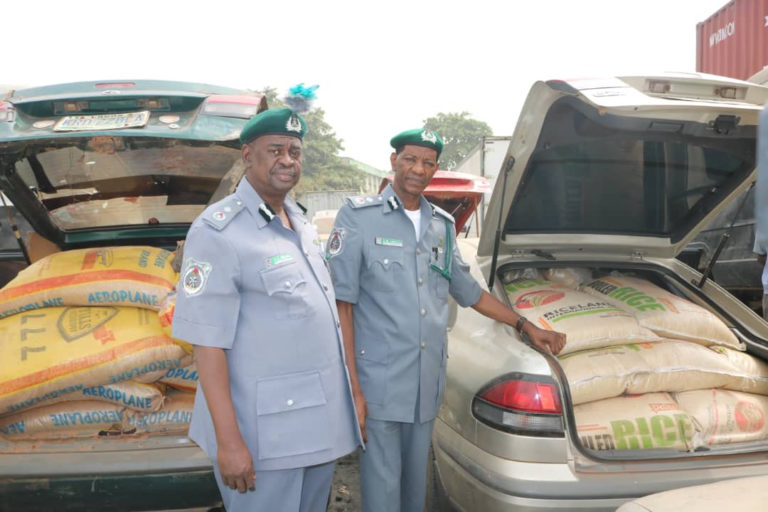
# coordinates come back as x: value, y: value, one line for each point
x: 184, y: 379
x: 663, y: 312
x: 63, y: 420
x: 586, y: 321
x: 570, y: 277
x: 174, y: 416
x: 52, y: 351
x: 751, y: 373
x: 634, y: 422
x: 165, y: 315
x: 135, y: 276
x: 643, y: 368
x: 126, y: 393
x: 722, y: 416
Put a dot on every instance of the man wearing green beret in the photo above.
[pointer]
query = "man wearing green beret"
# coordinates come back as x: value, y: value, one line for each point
x: 394, y: 264
x: 274, y: 408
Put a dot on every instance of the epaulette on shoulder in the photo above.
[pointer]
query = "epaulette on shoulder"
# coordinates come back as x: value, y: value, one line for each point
x: 222, y: 213
x: 443, y: 213
x: 363, y: 201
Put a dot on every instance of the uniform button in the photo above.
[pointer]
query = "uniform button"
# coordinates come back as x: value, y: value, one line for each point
x: 287, y: 284
x: 423, y: 312
x: 325, y: 287
x: 362, y: 352
x: 423, y: 345
x: 289, y: 402
x: 306, y: 253
x: 386, y: 261
x: 418, y: 250
x: 421, y: 281
x: 338, y: 325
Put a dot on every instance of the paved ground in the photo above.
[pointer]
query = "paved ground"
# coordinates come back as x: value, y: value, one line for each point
x: 345, y: 493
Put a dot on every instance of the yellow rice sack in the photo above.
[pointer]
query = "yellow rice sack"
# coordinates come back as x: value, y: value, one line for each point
x: 174, y: 416
x: 644, y: 368
x: 126, y: 393
x: 634, y: 422
x: 587, y: 322
x: 63, y: 420
x: 134, y: 276
x: 184, y: 379
x: 58, y: 350
x: 662, y: 312
x: 722, y: 416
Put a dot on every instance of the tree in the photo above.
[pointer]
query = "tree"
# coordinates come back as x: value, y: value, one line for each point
x: 460, y: 133
x: 322, y: 168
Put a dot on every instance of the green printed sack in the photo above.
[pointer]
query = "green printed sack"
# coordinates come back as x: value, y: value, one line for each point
x: 635, y: 422
x: 587, y: 322
x: 663, y: 312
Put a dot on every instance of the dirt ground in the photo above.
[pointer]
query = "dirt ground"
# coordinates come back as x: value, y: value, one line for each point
x: 345, y: 492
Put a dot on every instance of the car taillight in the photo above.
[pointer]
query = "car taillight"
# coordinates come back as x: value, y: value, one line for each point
x: 7, y: 112
x: 522, y: 404
x: 243, y: 107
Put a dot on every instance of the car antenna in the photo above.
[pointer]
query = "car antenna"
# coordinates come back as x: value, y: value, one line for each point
x: 15, y: 229
x: 723, y: 240
x: 508, y: 164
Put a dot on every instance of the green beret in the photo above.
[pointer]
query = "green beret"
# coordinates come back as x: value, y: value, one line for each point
x: 281, y: 121
x: 418, y: 137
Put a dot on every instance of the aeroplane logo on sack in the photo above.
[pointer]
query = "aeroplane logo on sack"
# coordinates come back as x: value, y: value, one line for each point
x: 538, y: 298
x: 74, y: 323
x: 103, y: 257
x: 749, y: 417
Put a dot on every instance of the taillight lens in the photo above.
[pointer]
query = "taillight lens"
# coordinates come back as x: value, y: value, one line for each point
x: 7, y: 112
x: 521, y: 404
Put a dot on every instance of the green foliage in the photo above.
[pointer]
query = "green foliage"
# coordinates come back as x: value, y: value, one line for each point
x: 322, y: 168
x: 460, y: 133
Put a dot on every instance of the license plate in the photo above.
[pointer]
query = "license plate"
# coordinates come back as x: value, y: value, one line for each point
x: 102, y: 122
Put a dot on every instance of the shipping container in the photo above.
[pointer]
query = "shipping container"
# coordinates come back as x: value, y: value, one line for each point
x: 734, y: 41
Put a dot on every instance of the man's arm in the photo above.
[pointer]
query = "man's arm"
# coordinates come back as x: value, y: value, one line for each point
x: 233, y: 457
x: 548, y: 341
x: 346, y: 317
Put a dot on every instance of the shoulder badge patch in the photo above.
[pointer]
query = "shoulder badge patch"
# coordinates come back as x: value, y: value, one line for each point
x: 195, y: 276
x: 335, y: 242
x: 225, y: 211
x: 363, y: 201
x: 443, y: 213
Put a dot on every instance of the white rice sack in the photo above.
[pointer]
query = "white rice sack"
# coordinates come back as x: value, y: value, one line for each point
x: 751, y: 373
x: 663, y: 312
x: 570, y: 277
x: 644, y: 368
x: 63, y: 420
x: 587, y: 322
x: 636, y: 422
x: 722, y: 416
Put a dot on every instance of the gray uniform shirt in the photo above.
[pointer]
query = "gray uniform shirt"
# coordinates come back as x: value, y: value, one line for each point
x: 400, y: 290
x: 263, y: 293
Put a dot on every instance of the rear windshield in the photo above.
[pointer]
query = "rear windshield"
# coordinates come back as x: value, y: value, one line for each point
x: 604, y: 174
x: 115, y: 181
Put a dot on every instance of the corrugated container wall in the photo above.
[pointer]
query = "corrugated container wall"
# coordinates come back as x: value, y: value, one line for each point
x: 734, y: 41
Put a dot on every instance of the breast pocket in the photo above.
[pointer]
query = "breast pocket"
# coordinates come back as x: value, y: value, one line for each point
x: 293, y: 416
x: 386, y: 268
x: 286, y: 284
x: 438, y: 284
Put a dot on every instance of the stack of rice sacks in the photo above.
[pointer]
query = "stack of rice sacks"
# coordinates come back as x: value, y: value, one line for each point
x: 646, y: 369
x: 83, y: 351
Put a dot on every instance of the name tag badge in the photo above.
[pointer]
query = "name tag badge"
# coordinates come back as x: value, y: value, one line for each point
x: 280, y: 258
x: 390, y: 242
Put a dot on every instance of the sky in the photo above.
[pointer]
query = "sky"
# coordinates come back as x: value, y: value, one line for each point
x: 381, y: 67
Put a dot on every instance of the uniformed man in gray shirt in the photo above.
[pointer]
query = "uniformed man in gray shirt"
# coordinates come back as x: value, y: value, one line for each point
x: 394, y: 263
x: 274, y: 408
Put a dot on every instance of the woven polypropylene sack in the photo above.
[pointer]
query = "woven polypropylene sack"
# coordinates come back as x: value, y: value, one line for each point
x: 750, y: 374
x: 174, y: 416
x: 135, y: 276
x: 663, y: 312
x: 53, y: 351
x: 635, y: 422
x: 587, y: 322
x: 184, y: 379
x: 723, y: 416
x: 644, y: 368
x: 63, y: 420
